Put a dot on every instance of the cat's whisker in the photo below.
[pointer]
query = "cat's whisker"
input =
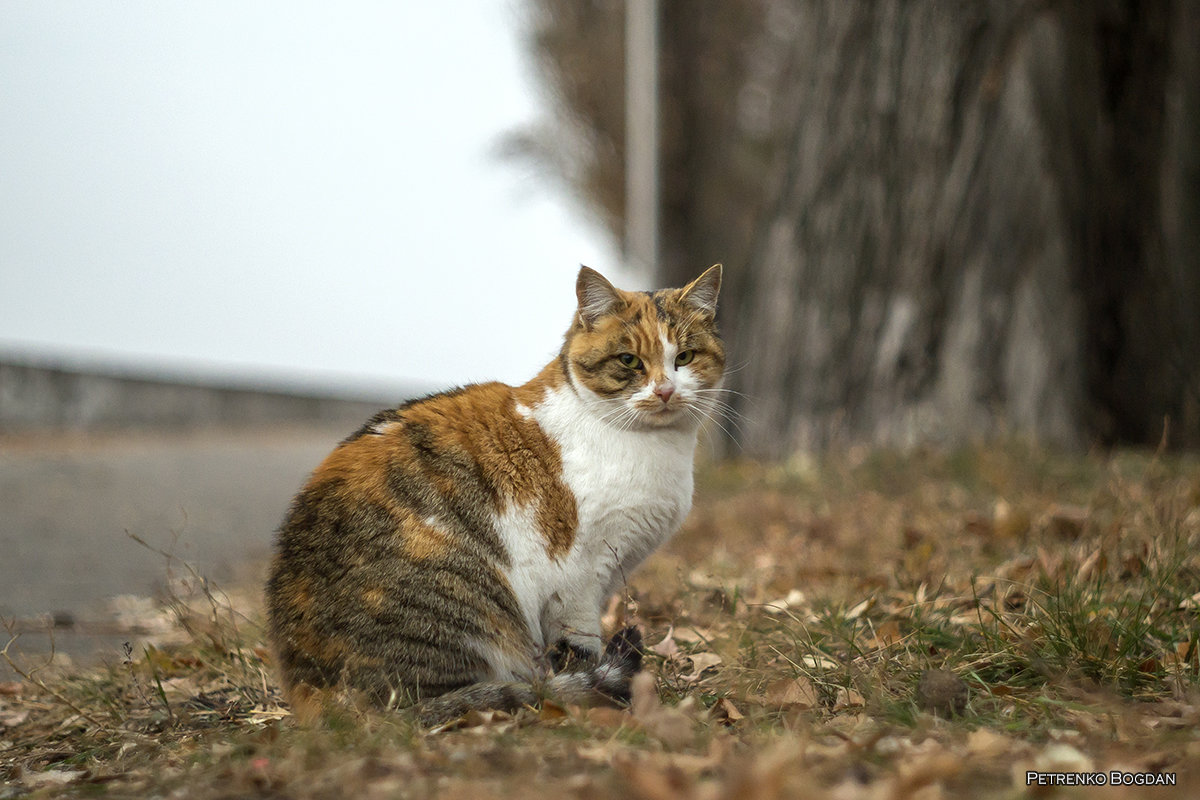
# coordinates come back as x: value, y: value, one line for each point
x: 717, y: 409
x: 731, y: 370
x: 717, y: 403
x: 722, y: 390
x: 716, y: 420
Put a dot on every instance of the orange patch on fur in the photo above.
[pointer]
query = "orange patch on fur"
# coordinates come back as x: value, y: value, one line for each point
x: 307, y: 703
x: 522, y: 464
x: 374, y: 598
x: 423, y: 542
x: 297, y: 594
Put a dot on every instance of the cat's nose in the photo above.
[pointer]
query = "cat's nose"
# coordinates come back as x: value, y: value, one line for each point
x: 664, y: 391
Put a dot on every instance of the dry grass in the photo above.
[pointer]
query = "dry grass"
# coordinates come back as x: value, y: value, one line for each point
x: 875, y: 626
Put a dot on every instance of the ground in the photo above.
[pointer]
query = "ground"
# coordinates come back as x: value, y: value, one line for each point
x: 869, y: 625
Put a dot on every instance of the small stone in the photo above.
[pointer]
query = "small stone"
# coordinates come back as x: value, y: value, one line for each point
x: 941, y: 692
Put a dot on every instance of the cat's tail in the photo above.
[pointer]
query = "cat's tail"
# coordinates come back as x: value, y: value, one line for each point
x: 605, y: 681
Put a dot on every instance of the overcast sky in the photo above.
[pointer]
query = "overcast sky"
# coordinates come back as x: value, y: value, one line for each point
x: 286, y: 190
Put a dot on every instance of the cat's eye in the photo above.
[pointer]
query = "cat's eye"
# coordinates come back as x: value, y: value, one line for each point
x: 685, y: 358
x: 630, y: 360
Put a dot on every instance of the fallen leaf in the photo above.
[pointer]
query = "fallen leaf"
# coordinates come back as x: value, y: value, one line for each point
x: 551, y: 710
x: 700, y: 663
x: 671, y: 726
x: 473, y: 719
x: 984, y: 743
x: 608, y: 717
x: 887, y: 633
x: 599, y: 754
x: 795, y: 599
x: 53, y: 777
x: 11, y: 719
x: 705, y: 580
x: 925, y: 770
x: 1062, y: 758
x: 861, y: 608
x: 793, y: 692
x: 693, y: 635
x: 613, y: 617
x: 1066, y: 522
x: 817, y: 663
x: 725, y: 712
x: 1009, y: 522
x: 1093, y: 564
x: 667, y: 647
x: 978, y: 525
x: 653, y: 779
x: 848, y: 698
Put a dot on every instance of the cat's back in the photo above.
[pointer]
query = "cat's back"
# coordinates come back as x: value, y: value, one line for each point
x: 389, y: 568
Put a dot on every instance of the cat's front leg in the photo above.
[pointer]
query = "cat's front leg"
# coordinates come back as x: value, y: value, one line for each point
x: 571, y: 629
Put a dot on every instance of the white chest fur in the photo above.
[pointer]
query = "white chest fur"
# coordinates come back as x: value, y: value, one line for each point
x: 632, y: 491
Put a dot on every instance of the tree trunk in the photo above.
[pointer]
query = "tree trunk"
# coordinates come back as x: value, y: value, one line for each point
x: 966, y: 239
x: 941, y: 220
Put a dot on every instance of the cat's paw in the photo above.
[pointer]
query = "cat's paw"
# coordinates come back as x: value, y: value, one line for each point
x: 622, y: 660
x: 625, y: 649
x: 568, y: 656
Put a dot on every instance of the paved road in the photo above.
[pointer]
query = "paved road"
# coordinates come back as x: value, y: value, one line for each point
x: 214, y: 499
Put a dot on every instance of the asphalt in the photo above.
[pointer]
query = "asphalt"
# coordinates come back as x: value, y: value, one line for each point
x: 70, y: 507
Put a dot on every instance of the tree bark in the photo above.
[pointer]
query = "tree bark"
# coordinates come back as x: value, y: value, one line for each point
x: 942, y: 221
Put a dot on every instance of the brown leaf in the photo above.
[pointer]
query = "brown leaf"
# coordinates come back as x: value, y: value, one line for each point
x: 473, y: 719
x: 1009, y: 522
x: 551, y: 710
x: 1066, y: 522
x: 924, y: 770
x: 608, y: 717
x: 887, y: 633
x: 613, y: 617
x: 671, y: 726
x: 667, y: 647
x: 979, y: 525
x: 700, y: 663
x: 725, y: 712
x: 861, y: 608
x: 11, y: 719
x: 53, y: 777
x: 793, y: 693
x: 1095, y: 563
x: 795, y: 599
x: 984, y: 743
x: 654, y: 780
x: 693, y: 635
x: 848, y: 698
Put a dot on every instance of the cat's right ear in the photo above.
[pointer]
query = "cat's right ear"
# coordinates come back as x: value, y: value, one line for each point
x: 597, y: 296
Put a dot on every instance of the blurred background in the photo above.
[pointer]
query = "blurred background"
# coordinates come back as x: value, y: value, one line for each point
x: 228, y: 233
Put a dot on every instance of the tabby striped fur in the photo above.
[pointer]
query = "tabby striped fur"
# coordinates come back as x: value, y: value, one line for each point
x: 461, y: 547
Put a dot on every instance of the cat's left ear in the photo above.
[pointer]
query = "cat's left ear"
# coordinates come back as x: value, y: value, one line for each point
x: 701, y: 294
x: 597, y: 296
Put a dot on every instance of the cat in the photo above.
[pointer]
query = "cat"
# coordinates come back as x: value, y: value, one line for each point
x: 456, y: 552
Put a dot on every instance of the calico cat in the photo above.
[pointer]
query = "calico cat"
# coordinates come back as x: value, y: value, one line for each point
x: 456, y: 551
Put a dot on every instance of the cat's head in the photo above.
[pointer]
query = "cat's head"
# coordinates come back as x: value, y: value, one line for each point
x: 646, y: 359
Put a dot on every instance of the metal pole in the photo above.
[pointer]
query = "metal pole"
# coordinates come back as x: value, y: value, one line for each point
x: 641, y: 134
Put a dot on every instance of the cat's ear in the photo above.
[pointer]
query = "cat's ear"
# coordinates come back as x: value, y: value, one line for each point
x: 701, y: 294
x: 597, y: 296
